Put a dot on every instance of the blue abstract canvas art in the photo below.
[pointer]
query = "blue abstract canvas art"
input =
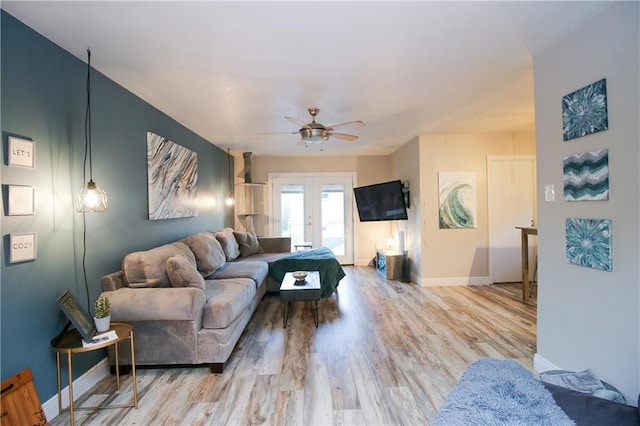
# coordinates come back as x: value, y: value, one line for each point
x: 585, y: 111
x: 589, y: 243
x: 457, y: 193
x: 172, y: 179
x: 586, y: 176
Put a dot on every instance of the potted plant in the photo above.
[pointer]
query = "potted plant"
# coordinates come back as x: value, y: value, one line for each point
x: 102, y: 316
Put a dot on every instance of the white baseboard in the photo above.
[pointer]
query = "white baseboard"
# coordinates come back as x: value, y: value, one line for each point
x: 80, y: 386
x: 541, y: 364
x: 364, y: 262
x: 454, y: 281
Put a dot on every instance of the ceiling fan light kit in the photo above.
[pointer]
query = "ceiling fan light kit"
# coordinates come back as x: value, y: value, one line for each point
x: 314, y: 135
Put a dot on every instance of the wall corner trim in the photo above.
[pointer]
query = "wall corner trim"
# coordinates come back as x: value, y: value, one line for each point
x: 541, y: 364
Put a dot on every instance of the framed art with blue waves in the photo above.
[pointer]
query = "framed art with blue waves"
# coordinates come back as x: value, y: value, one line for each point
x: 585, y: 111
x: 457, y: 200
x: 586, y: 176
x: 588, y: 242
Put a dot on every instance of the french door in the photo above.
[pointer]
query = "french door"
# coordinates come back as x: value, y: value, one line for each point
x: 315, y: 208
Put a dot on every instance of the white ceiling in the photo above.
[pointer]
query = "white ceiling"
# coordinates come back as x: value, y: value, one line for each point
x: 229, y: 70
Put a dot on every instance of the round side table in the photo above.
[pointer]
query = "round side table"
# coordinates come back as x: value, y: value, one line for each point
x: 70, y: 343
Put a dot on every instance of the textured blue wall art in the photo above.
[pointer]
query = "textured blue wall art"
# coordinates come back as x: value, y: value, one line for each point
x: 172, y: 179
x: 589, y: 242
x: 585, y: 111
x: 457, y: 193
x: 586, y: 176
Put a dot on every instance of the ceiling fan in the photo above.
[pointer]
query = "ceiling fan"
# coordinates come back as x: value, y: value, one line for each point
x: 315, y: 132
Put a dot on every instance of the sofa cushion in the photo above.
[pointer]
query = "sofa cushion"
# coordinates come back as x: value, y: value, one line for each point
x: 257, y: 271
x: 226, y: 300
x: 228, y: 242
x: 148, y: 268
x: 207, y: 251
x: 248, y: 243
x: 182, y: 272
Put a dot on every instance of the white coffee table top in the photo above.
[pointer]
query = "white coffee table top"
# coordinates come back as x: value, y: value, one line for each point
x: 289, y: 291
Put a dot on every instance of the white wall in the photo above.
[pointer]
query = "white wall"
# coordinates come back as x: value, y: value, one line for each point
x: 589, y: 318
x: 460, y: 256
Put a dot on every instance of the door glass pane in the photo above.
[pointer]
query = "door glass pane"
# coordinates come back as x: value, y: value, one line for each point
x: 332, y: 213
x: 292, y: 212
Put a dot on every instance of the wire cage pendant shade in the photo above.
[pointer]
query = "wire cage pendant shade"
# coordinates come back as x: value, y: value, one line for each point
x: 90, y: 198
x: 229, y: 201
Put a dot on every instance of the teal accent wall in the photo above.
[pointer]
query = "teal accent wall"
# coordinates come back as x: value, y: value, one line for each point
x: 43, y: 98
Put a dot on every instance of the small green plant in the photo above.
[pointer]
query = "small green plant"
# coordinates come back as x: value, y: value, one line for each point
x: 103, y: 307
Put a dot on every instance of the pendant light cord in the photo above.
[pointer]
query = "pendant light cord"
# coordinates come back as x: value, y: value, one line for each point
x: 87, y: 125
x: 229, y: 164
x: 87, y: 151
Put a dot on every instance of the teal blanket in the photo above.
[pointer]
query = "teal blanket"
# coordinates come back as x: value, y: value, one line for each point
x: 321, y: 259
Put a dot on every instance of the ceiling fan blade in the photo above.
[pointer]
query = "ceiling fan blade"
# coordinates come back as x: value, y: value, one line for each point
x: 352, y: 123
x: 297, y: 121
x: 344, y: 136
x: 278, y: 133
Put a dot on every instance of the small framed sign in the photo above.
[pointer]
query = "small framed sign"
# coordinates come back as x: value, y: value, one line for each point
x: 22, y: 152
x: 22, y: 247
x: 21, y: 200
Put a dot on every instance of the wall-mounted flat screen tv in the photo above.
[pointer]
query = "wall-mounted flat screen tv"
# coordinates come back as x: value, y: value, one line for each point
x: 382, y: 201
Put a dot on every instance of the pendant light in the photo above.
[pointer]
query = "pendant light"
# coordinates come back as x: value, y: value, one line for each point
x: 229, y: 201
x: 90, y: 198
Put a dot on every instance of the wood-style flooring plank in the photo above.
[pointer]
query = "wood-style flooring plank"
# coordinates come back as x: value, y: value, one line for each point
x: 384, y: 352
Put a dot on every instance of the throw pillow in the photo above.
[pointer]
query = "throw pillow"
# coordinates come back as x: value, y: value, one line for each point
x: 182, y: 272
x: 248, y: 243
x: 208, y: 252
x: 148, y: 268
x: 228, y: 242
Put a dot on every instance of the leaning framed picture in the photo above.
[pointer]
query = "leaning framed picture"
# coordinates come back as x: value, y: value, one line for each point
x: 22, y: 153
x: 22, y: 247
x: 21, y: 200
x: 77, y: 315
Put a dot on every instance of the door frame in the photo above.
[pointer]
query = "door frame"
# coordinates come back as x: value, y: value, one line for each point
x: 350, y: 231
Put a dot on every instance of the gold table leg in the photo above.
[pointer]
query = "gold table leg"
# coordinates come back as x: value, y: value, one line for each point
x: 133, y: 372
x: 71, y: 419
x: 59, y: 383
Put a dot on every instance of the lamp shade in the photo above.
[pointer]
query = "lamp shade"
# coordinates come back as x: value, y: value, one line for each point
x: 91, y: 199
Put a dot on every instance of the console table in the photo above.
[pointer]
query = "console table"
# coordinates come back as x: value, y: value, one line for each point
x: 525, y: 232
x: 393, y: 265
x: 70, y: 344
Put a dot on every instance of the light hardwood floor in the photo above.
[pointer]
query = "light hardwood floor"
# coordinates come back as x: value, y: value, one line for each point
x: 385, y: 352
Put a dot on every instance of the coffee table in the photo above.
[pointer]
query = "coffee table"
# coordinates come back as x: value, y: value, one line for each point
x: 291, y: 291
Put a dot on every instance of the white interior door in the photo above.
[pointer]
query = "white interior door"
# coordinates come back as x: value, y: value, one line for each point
x: 317, y: 209
x: 511, y: 202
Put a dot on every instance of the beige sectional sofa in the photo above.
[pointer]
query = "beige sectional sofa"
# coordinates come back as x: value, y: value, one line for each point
x: 190, y: 300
